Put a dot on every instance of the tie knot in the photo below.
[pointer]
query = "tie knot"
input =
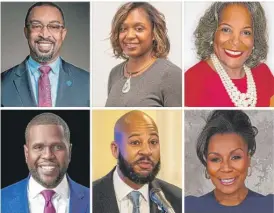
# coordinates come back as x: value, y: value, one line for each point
x: 134, y: 197
x: 47, y: 194
x: 45, y: 69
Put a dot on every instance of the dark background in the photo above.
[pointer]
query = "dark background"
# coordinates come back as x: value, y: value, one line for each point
x: 13, y: 126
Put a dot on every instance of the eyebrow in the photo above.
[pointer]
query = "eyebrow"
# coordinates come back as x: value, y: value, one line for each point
x: 246, y: 27
x: 216, y: 153
x: 138, y: 134
x: 54, y: 21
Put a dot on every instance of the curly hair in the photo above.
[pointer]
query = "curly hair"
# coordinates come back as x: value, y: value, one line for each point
x: 208, y: 24
x: 161, y: 44
x: 226, y: 121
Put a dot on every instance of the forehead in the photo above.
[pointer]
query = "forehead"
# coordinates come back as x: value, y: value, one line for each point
x: 46, y: 133
x: 45, y: 13
x: 137, y: 15
x: 225, y: 143
x: 237, y: 13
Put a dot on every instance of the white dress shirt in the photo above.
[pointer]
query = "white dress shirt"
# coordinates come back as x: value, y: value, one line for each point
x: 60, y: 199
x: 122, y: 190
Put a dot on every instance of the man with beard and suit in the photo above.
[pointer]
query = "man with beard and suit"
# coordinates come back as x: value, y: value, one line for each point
x: 44, y: 79
x: 126, y: 188
x: 48, y: 188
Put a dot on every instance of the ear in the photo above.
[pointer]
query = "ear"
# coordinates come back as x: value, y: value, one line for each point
x: 64, y: 33
x: 249, y: 160
x: 70, y: 148
x: 26, y: 152
x: 114, y: 149
x: 26, y: 32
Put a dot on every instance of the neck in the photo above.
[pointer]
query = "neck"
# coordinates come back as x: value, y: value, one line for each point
x: 136, y: 63
x: 233, y: 73
x: 128, y: 181
x: 231, y: 199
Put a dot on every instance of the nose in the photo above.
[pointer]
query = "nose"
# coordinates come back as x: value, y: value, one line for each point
x: 47, y: 153
x: 45, y: 32
x: 146, y: 149
x: 225, y: 166
x: 131, y: 33
x: 235, y: 39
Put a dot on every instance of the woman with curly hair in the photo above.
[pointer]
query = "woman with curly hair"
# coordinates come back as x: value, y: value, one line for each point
x: 231, y: 41
x: 146, y: 78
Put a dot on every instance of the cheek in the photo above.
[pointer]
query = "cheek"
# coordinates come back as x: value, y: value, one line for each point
x: 212, y: 168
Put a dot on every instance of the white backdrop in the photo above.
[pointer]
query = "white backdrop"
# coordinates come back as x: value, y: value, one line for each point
x: 102, y: 57
x: 193, y: 11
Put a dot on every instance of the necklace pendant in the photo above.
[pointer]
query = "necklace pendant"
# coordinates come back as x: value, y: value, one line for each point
x: 126, y: 86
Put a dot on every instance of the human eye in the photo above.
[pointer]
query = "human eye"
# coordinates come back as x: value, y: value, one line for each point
x: 226, y: 29
x: 135, y: 142
x: 38, y: 147
x: 236, y: 157
x: 139, y: 29
x: 36, y: 26
x: 247, y: 32
x: 122, y: 29
x: 54, y: 26
x: 215, y: 159
x: 154, y: 141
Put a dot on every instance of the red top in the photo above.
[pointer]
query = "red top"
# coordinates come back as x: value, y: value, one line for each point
x: 204, y: 88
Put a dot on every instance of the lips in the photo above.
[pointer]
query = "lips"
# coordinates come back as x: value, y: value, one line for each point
x: 146, y: 165
x: 48, y: 169
x: 227, y: 181
x: 233, y: 54
x: 131, y: 45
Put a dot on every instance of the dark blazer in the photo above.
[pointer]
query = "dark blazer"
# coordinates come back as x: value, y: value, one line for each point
x: 73, y: 87
x: 15, y: 198
x: 104, y: 200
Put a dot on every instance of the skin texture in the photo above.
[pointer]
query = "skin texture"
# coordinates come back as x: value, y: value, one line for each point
x: 228, y: 158
x: 52, y: 41
x: 137, y: 140
x: 234, y: 33
x: 46, y: 146
x: 136, y: 39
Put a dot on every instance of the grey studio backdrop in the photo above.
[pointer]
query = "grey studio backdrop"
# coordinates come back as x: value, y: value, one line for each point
x: 75, y: 49
x: 262, y: 177
x: 102, y: 54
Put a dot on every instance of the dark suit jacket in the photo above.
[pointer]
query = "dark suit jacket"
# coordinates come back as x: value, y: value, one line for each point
x: 15, y: 198
x: 73, y: 87
x: 104, y: 200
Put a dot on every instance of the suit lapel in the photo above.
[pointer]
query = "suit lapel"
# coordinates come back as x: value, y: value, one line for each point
x: 78, y: 202
x: 65, y: 86
x: 19, y: 203
x: 23, y: 86
x: 153, y: 206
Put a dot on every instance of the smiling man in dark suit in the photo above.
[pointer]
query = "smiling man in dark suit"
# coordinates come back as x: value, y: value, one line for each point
x: 44, y: 79
x: 126, y: 188
x: 48, y: 188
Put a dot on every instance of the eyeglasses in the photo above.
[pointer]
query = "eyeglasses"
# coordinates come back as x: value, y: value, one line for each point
x: 52, y: 27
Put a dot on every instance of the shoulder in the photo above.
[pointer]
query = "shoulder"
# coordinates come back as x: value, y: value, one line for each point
x: 167, y: 66
x: 79, y: 186
x: 97, y: 184
x: 117, y: 69
x: 74, y: 70
x: 171, y: 189
x: 14, y: 189
x: 6, y: 75
x: 262, y: 70
x: 197, y: 69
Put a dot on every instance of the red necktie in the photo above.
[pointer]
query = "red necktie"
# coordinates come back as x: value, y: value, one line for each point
x: 48, y: 194
x: 44, y: 90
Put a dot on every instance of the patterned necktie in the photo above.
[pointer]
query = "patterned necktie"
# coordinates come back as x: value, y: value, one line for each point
x: 134, y: 197
x: 47, y: 194
x: 44, y: 90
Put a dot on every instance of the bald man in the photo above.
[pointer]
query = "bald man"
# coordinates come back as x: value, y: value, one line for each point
x: 126, y: 188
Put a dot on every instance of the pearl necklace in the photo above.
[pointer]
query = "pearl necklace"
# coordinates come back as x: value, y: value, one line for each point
x: 126, y: 86
x: 248, y: 99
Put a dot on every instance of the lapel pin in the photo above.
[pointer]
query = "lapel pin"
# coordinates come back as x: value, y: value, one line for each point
x: 69, y: 83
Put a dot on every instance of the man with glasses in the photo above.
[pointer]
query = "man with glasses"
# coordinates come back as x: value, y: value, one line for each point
x: 44, y: 79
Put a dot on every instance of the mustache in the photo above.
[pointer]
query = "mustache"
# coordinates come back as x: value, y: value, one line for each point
x: 143, y: 159
x: 44, y: 39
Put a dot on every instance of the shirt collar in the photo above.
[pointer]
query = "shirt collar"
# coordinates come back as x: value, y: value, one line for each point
x: 34, y: 65
x: 122, y: 189
x: 35, y: 188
